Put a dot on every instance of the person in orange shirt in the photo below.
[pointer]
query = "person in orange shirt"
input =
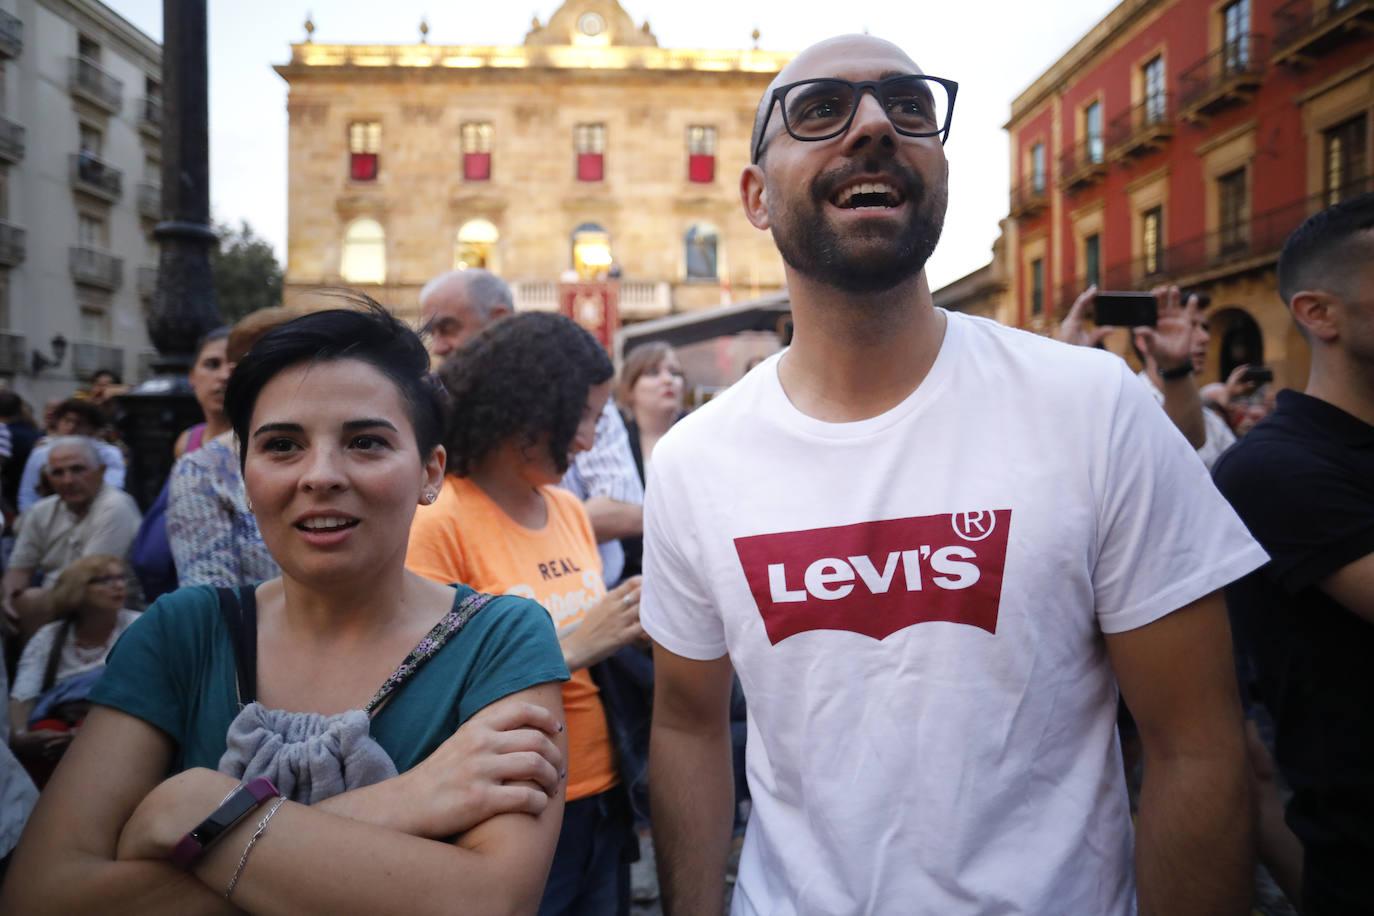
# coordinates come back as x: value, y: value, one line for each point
x: 526, y: 394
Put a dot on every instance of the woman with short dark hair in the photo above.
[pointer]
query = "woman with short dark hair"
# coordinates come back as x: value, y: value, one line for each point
x: 386, y: 743
x: 525, y: 395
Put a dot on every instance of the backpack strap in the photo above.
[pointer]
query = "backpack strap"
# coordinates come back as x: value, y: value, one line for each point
x: 240, y: 610
x: 450, y: 625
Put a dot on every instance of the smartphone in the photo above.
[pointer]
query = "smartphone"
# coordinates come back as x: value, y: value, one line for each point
x: 1125, y: 310
x: 1259, y: 375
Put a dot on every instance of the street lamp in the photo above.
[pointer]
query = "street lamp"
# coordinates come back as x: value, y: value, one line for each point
x: 183, y: 307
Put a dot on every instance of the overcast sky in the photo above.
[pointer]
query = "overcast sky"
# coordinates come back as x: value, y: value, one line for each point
x: 993, y: 48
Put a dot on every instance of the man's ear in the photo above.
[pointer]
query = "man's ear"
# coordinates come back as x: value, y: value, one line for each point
x: 1319, y: 314
x: 751, y: 188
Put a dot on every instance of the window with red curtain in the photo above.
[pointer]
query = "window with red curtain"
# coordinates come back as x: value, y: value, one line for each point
x: 364, y: 148
x: 701, y: 154
x: 589, y: 141
x: 477, y: 151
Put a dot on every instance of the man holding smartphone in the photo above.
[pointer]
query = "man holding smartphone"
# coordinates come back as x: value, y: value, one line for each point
x: 1303, y: 481
x: 1173, y: 350
x: 932, y: 547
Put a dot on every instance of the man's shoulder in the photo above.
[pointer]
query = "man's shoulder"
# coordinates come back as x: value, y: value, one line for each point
x: 116, y: 501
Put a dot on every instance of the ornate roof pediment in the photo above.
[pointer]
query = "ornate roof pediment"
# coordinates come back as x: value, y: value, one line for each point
x: 591, y: 23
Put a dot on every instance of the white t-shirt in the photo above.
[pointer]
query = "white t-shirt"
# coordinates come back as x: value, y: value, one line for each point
x: 74, y: 659
x: 1219, y: 435
x: 915, y: 603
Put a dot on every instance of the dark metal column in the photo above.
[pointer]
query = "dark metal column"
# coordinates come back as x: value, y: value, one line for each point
x: 183, y: 307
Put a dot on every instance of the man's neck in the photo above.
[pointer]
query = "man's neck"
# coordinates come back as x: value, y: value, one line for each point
x: 855, y: 356
x: 1345, y: 383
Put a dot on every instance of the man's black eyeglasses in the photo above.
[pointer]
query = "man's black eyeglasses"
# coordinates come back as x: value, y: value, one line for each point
x: 917, y: 106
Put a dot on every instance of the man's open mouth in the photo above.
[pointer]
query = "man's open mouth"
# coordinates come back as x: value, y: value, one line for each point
x: 868, y: 195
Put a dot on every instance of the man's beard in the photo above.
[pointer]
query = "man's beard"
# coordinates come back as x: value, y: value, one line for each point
x: 811, y: 246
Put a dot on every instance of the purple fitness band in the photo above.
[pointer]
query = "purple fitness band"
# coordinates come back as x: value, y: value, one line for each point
x: 233, y: 809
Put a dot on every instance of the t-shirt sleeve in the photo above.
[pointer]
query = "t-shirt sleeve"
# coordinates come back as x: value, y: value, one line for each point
x: 675, y: 606
x: 518, y: 649
x: 1166, y: 536
x: 149, y: 673
x: 1311, y: 515
x: 434, y: 550
x: 608, y: 469
x: 28, y: 674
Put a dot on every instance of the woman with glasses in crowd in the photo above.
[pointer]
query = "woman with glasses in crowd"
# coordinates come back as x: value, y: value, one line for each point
x: 525, y: 395
x: 346, y: 738
x: 62, y: 661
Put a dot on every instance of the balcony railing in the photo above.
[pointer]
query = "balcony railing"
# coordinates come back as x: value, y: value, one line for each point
x: 1306, y: 29
x: 1141, y: 130
x: 89, y: 357
x: 535, y: 295
x: 12, y: 347
x: 1082, y: 165
x: 12, y: 244
x: 1029, y: 201
x: 96, y: 86
x: 97, y: 177
x: 93, y: 267
x: 11, y: 34
x: 645, y: 298
x: 150, y: 200
x: 150, y: 115
x: 11, y: 141
x: 1227, y: 76
x: 147, y: 283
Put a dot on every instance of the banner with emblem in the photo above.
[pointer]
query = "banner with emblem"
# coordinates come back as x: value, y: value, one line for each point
x: 594, y: 304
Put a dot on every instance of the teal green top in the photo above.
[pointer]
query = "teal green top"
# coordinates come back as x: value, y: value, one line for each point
x: 174, y: 669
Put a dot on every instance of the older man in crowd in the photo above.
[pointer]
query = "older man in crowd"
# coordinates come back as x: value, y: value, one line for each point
x: 85, y: 516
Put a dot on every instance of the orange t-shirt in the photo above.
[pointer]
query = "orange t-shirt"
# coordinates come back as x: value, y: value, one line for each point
x: 465, y: 537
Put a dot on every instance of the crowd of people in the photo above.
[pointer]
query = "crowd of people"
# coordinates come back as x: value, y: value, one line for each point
x: 450, y: 619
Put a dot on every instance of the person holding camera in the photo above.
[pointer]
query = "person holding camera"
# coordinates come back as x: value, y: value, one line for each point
x: 1173, y: 351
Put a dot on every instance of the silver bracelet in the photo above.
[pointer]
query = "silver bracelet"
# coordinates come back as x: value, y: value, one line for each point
x: 257, y: 834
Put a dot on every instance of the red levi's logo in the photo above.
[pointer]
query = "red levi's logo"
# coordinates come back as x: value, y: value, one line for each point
x: 876, y: 578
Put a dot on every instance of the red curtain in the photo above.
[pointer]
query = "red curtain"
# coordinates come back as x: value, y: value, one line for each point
x: 589, y: 166
x: 701, y: 167
x: 477, y: 166
x: 362, y: 166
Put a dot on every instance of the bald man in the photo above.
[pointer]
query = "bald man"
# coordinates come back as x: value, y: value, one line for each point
x: 457, y: 305
x: 931, y: 546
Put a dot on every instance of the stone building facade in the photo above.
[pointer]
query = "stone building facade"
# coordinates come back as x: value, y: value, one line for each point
x: 587, y: 149
x: 80, y: 152
x: 1181, y: 141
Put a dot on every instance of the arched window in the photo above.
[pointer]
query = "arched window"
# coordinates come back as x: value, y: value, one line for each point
x: 591, y: 251
x: 701, y: 240
x: 364, y: 252
x: 476, y: 245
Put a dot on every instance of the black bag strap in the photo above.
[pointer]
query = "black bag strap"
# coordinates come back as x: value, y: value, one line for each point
x: 240, y: 610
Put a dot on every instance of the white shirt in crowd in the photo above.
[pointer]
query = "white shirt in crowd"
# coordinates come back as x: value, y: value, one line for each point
x: 915, y: 604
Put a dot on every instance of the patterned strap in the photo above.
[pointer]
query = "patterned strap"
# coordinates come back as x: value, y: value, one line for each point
x: 443, y: 631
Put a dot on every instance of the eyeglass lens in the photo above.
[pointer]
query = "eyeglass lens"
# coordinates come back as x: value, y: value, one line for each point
x: 823, y: 107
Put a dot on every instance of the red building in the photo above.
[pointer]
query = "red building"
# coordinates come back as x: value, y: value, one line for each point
x: 1181, y: 142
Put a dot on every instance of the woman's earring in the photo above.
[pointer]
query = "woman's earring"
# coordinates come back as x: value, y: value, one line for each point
x: 248, y: 502
x: 429, y: 497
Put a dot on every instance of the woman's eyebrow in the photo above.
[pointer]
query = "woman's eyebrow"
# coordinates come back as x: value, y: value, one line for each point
x: 370, y: 421
x: 277, y: 428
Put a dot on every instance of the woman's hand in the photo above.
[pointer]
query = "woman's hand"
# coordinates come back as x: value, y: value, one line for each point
x: 170, y: 811
x: 611, y: 623
x: 501, y: 761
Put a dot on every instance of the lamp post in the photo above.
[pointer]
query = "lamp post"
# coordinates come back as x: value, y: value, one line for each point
x: 183, y: 307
